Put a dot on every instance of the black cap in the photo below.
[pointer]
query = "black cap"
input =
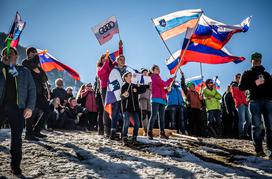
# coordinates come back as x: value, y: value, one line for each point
x: 256, y: 56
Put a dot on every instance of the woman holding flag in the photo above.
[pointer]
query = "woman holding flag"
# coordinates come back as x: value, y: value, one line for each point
x: 104, y: 67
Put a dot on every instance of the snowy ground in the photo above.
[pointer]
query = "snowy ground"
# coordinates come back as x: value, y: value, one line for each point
x: 87, y: 155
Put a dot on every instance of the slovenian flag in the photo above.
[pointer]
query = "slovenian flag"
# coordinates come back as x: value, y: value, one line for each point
x: 16, y: 30
x: 217, y: 82
x: 216, y: 34
x: 48, y: 63
x: 172, y: 62
x: 176, y: 23
x: 197, y: 81
x: 205, y: 54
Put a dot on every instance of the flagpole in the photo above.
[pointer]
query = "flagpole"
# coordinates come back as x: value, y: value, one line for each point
x: 163, y: 40
x: 201, y: 72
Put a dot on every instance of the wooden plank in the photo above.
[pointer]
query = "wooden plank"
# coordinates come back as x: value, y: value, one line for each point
x: 156, y: 132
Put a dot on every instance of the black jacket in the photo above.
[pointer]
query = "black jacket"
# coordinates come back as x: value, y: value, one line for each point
x: 40, y: 79
x: 255, y: 92
x: 131, y: 103
x: 228, y: 104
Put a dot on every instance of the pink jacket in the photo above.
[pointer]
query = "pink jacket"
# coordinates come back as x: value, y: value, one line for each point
x: 103, y: 72
x: 90, y: 103
x: 158, y: 86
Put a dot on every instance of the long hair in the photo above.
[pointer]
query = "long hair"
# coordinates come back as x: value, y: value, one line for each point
x: 80, y: 90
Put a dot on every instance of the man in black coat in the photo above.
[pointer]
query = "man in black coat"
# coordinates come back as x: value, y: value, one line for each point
x: 35, y: 124
x: 258, y: 82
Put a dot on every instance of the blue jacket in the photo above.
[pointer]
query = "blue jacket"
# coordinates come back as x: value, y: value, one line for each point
x: 26, y: 89
x: 174, y: 97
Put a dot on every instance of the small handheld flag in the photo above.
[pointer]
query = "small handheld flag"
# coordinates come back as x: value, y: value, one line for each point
x: 105, y: 31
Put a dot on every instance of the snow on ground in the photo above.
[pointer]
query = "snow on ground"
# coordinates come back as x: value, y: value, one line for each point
x: 87, y: 155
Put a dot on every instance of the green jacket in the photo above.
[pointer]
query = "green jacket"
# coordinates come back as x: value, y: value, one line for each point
x: 214, y: 101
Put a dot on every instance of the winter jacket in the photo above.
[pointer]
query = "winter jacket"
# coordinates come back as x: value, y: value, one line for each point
x: 174, y: 97
x: 228, y: 104
x: 40, y: 79
x: 213, y: 103
x: 131, y: 103
x: 90, y: 101
x: 60, y: 93
x: 69, y: 117
x: 238, y: 95
x: 26, y: 90
x: 158, y: 86
x: 247, y: 82
x: 192, y: 97
x: 104, y: 71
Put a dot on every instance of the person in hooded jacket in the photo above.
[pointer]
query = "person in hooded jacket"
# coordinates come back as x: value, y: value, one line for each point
x: 258, y: 83
x: 212, y: 100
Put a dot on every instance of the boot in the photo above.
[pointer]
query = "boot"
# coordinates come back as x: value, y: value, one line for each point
x: 163, y: 136
x: 31, y: 137
x: 134, y: 141
x: 150, y: 135
x: 113, y: 134
x: 125, y: 141
x: 39, y: 135
x: 16, y: 171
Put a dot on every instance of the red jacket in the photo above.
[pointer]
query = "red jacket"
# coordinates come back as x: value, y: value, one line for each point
x: 158, y: 86
x: 238, y: 95
x: 90, y: 103
x: 103, y: 72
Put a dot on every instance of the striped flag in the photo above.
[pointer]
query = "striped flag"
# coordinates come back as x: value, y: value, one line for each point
x: 176, y: 23
x: 48, y: 63
x: 216, y: 34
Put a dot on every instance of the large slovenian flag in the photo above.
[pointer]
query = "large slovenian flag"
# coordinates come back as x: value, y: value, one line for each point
x: 113, y: 94
x: 197, y: 81
x: 16, y: 30
x: 105, y: 31
x: 216, y: 34
x: 48, y: 63
x: 176, y: 23
x: 205, y: 54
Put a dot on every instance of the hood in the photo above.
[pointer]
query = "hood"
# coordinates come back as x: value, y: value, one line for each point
x: 258, y: 68
x: 234, y: 84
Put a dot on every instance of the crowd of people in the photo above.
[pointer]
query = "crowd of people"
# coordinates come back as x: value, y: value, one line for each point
x: 244, y: 111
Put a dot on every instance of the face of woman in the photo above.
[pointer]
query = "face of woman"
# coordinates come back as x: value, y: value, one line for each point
x: 128, y: 78
x: 145, y: 73
x: 157, y: 70
x: 57, y: 101
x: 103, y: 60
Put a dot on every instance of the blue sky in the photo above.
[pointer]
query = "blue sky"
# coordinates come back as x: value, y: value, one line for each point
x: 64, y: 28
